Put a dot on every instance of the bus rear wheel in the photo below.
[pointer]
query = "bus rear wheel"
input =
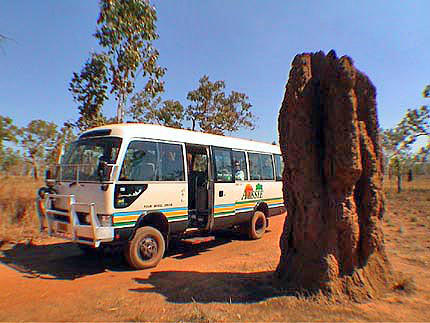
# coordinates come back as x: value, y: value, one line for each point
x: 256, y: 227
x: 146, y: 249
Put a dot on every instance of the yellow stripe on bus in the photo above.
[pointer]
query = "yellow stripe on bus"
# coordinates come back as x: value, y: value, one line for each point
x: 126, y: 218
x: 180, y: 212
x: 251, y: 204
x: 175, y: 213
x: 275, y: 201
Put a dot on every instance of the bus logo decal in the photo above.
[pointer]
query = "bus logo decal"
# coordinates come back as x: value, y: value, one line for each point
x: 250, y: 194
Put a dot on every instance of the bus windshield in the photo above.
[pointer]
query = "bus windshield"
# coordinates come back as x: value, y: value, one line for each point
x: 90, y: 159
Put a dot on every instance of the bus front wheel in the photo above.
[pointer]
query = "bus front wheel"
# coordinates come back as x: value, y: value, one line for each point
x: 146, y: 249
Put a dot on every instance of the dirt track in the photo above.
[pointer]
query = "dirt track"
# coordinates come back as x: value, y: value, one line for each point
x: 220, y: 281
x: 56, y: 282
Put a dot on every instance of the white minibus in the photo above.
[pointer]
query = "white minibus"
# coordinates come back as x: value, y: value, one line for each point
x: 140, y: 186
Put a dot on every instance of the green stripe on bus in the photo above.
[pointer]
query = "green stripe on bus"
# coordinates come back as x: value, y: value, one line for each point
x: 120, y: 224
x: 177, y: 217
x: 225, y: 212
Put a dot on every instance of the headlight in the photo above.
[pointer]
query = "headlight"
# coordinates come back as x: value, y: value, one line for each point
x: 105, y: 220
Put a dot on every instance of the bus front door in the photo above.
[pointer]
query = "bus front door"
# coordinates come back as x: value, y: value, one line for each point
x: 200, y: 188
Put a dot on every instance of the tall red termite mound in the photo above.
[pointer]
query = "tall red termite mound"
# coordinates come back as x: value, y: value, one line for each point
x: 328, y: 127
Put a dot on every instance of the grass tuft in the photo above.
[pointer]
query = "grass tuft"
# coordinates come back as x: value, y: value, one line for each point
x: 405, y: 284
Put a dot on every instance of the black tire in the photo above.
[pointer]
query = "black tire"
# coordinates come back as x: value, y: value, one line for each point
x: 257, y: 226
x: 146, y: 249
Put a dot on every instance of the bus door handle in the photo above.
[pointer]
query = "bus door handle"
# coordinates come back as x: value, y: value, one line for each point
x: 221, y: 193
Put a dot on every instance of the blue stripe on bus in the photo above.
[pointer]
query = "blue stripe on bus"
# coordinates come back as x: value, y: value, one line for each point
x: 223, y: 205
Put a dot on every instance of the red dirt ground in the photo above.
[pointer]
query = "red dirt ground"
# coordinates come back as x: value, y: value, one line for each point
x: 228, y: 279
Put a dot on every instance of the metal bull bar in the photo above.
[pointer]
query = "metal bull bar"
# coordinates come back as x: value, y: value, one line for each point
x: 70, y: 227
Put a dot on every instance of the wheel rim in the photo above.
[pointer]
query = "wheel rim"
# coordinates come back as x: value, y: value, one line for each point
x: 259, y: 225
x: 148, y: 248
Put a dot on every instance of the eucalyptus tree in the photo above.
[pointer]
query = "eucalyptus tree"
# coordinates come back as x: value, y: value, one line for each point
x: 416, y: 124
x: 212, y: 110
x: 8, y: 131
x: 38, y: 139
x: 149, y: 109
x: 398, y: 156
x: 126, y: 31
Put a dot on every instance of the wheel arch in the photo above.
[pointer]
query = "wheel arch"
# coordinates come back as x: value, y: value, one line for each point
x: 263, y: 207
x: 156, y: 220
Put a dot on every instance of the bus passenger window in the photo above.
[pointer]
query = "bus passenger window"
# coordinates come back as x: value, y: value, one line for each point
x: 254, y: 166
x: 239, y: 164
x: 266, y: 167
x: 260, y: 166
x: 279, y: 167
x: 223, y: 165
x: 172, y: 163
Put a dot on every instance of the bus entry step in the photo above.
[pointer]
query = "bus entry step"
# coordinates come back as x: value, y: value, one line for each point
x: 197, y: 240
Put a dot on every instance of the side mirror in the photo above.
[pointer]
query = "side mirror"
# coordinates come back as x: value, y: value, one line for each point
x: 102, y: 170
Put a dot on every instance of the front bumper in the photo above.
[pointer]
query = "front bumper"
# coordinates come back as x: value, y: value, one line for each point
x: 65, y: 224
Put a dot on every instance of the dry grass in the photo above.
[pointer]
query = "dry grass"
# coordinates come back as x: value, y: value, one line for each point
x: 18, y: 219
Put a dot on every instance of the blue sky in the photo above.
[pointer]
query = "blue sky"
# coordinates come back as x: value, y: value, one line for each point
x: 248, y: 44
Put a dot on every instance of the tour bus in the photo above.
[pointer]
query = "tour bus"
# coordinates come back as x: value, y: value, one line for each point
x: 140, y: 185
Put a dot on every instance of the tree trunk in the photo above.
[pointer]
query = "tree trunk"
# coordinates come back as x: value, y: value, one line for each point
x: 410, y: 176
x: 120, y: 110
x: 35, y: 170
x: 399, y: 183
x: 332, y: 239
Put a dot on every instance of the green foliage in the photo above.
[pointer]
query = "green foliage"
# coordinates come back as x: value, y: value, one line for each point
x: 211, y: 110
x: 149, y: 109
x: 416, y: 124
x: 38, y: 140
x: 41, y: 142
x: 426, y: 92
x: 63, y: 139
x: 398, y: 156
x: 214, y: 112
x: 8, y: 131
x: 89, y: 91
x: 126, y: 30
x: 9, y: 158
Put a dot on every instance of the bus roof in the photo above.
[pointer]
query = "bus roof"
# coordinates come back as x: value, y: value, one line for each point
x: 158, y: 132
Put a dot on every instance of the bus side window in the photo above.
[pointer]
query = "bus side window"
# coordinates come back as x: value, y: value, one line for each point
x: 254, y: 166
x: 239, y: 164
x: 266, y: 167
x: 260, y: 166
x: 172, y: 163
x: 279, y: 167
x: 140, y: 162
x: 223, y: 165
